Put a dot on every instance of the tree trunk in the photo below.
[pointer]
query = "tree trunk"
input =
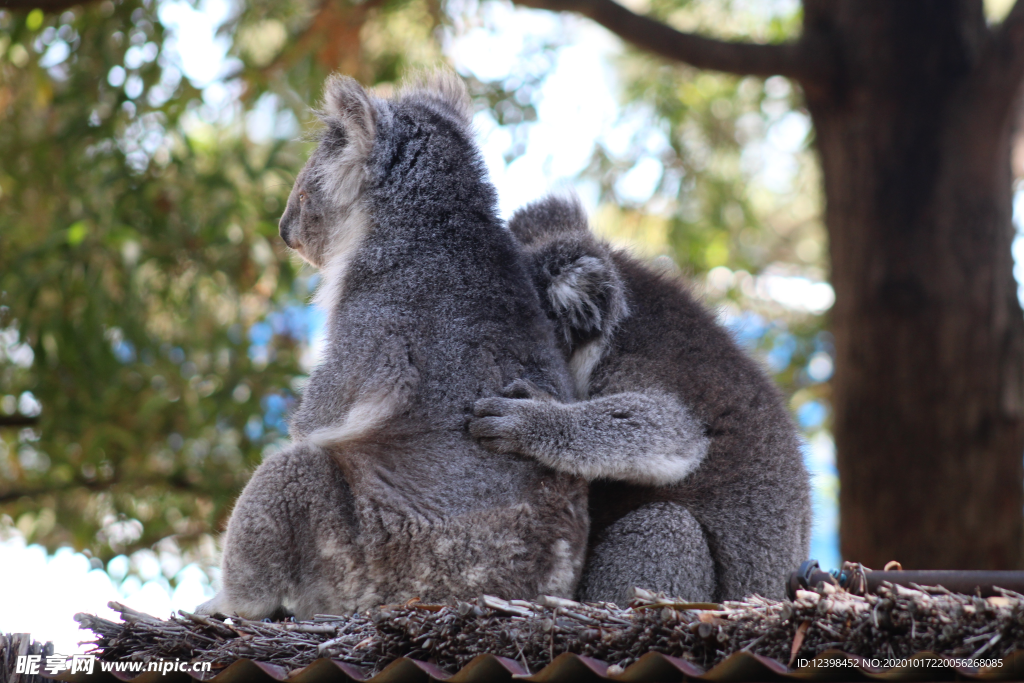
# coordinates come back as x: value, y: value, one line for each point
x: 914, y: 137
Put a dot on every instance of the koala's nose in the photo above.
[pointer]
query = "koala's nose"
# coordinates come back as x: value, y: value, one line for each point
x: 287, y: 227
x: 286, y: 236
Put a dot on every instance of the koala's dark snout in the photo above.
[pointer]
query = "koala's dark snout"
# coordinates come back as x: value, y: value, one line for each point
x: 288, y: 227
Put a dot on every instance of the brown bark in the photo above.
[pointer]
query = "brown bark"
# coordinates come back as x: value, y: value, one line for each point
x: 914, y: 139
x: 913, y: 104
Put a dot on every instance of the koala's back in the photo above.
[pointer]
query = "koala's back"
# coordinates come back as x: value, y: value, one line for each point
x: 439, y: 516
x: 751, y: 493
x: 429, y: 309
x: 436, y: 301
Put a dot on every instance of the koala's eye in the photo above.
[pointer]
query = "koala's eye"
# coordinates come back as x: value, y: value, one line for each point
x: 302, y: 196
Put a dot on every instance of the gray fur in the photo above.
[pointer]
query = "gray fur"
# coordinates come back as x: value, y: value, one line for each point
x: 683, y: 435
x: 383, y: 495
x: 633, y: 552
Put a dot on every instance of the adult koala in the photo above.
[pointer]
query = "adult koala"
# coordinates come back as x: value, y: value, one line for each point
x: 383, y: 495
x: 698, y: 487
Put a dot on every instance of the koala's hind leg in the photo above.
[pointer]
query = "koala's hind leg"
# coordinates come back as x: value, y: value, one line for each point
x: 659, y: 547
x: 290, y: 542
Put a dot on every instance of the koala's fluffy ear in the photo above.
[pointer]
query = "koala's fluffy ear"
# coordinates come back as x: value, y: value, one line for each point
x: 551, y: 217
x: 584, y: 290
x: 444, y: 87
x: 349, y: 107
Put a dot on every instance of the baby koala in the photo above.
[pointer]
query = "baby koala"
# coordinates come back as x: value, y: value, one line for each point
x: 383, y: 495
x: 698, y: 487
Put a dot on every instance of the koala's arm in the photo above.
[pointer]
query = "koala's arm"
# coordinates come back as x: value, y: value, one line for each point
x: 645, y: 438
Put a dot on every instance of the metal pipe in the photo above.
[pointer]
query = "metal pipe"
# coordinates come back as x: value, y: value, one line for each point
x: 968, y: 582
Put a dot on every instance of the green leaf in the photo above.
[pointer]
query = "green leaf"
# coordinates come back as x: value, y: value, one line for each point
x: 77, y: 232
x: 34, y: 20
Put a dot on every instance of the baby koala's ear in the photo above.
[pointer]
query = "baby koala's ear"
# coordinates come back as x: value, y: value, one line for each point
x: 554, y: 216
x: 348, y: 106
x: 586, y: 295
x: 580, y: 287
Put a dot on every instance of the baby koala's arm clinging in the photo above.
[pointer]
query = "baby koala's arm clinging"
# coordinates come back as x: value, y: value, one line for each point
x: 640, y: 437
x: 645, y: 437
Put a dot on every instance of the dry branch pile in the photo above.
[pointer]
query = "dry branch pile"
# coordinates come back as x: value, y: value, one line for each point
x: 13, y: 645
x: 894, y: 622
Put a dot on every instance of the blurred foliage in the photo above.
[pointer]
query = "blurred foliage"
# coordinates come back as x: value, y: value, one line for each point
x: 150, y: 333
x: 152, y: 328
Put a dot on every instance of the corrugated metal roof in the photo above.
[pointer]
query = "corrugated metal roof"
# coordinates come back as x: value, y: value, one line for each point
x: 570, y: 668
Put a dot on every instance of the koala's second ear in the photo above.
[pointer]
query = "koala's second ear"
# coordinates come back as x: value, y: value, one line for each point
x: 349, y: 106
x: 443, y: 86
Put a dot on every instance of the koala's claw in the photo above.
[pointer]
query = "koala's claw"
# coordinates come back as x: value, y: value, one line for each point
x: 502, y: 425
x: 493, y: 428
x: 492, y: 407
x: 524, y: 388
x: 485, y: 427
x: 488, y: 431
x: 495, y: 445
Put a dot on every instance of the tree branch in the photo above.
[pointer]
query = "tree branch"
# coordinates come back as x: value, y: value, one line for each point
x: 15, y: 494
x: 45, y: 5
x: 752, y: 59
x: 17, y: 421
x: 173, y: 483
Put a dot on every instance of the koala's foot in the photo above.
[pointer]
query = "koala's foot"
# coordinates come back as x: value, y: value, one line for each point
x: 214, y: 605
x: 659, y: 547
x: 221, y: 604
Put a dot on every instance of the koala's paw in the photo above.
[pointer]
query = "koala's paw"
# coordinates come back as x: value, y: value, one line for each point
x: 499, y: 424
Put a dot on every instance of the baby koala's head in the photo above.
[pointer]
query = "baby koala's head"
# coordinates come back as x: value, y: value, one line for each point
x: 575, y: 274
